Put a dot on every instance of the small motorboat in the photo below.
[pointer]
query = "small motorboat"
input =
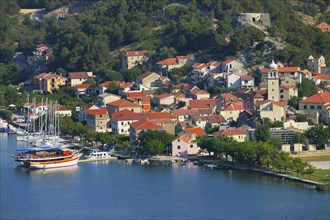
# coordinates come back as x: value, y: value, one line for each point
x: 211, y: 165
x: 98, y: 155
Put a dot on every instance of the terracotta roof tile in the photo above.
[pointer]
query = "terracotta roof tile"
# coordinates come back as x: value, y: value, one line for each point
x: 207, y: 103
x: 135, y: 53
x: 123, y: 103
x: 84, y: 86
x: 143, y: 124
x: 78, y: 75
x: 168, y: 61
x: 323, y: 97
x: 227, y: 61
x: 231, y: 132
x: 196, y: 130
x: 101, y: 111
x: 283, y: 69
x: 234, y: 106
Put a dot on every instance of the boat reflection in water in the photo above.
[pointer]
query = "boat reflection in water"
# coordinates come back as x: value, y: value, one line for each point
x: 63, y: 171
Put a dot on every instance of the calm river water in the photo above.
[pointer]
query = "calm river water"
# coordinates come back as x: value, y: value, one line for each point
x: 118, y: 191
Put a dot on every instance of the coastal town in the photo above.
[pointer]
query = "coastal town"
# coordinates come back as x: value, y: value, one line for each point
x: 165, y: 109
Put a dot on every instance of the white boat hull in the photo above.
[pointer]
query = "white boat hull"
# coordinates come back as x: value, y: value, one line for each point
x: 54, y: 164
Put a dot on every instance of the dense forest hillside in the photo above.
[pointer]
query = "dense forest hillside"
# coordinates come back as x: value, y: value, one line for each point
x: 93, y: 40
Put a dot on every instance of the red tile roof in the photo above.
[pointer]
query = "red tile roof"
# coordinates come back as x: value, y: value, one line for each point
x: 163, y: 96
x: 281, y: 104
x: 59, y: 12
x: 196, y: 130
x: 228, y: 97
x: 234, y: 106
x: 199, y: 92
x: 285, y: 86
x: 48, y: 76
x: 108, y: 83
x: 179, y: 112
x: 183, y: 138
x: 323, y: 97
x: 323, y: 26
x: 216, y: 119
x: 323, y: 77
x: 136, y: 95
x: 213, y: 63
x: 168, y: 61
x: 231, y: 132
x: 207, y: 103
x: 246, y: 77
x: 61, y: 108
x: 78, y: 75
x: 199, y: 66
x: 123, y: 103
x: 143, y: 124
x: 126, y: 115
x: 135, y: 53
x: 283, y: 69
x: 227, y: 61
x: 101, y: 111
x: 84, y: 86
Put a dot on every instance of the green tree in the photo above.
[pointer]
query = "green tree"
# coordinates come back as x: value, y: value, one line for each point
x: 6, y: 114
x: 318, y: 135
x: 294, y: 102
x: 262, y: 133
x: 309, y: 169
x: 113, y: 88
x: 276, y: 143
x: 155, y: 147
x: 299, y: 138
x: 307, y: 88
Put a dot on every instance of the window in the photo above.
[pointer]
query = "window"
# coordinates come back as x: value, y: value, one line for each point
x: 122, y: 130
x: 178, y: 140
x: 319, y: 107
x: 305, y: 107
x: 100, y: 116
x: 282, y: 90
x: 282, y: 96
x: 178, y: 147
x: 128, y: 123
x: 122, y: 123
x: 273, y: 90
x: 248, y: 106
x: 311, y: 107
x: 132, y: 110
x: 272, y: 83
x: 191, y: 146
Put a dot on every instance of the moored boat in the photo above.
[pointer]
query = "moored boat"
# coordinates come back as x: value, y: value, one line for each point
x: 46, y: 157
x: 98, y: 155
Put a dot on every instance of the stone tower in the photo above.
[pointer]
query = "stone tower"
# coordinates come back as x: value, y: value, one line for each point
x: 273, y: 83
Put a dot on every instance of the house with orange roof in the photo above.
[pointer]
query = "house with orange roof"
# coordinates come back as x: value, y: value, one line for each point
x: 208, y: 104
x: 164, y: 99
x: 85, y: 90
x: 142, y: 125
x: 122, y: 104
x: 59, y: 13
x: 147, y: 80
x: 122, y: 120
x: 199, y: 94
x: 185, y: 114
x: 199, y: 121
x: 98, y: 120
x: 287, y: 75
x: 232, y: 110
x: 141, y: 98
x: 49, y: 81
x: 104, y: 86
x: 75, y: 78
x: 237, y: 134
x: 198, y: 73
x: 323, y: 26
x: 175, y: 62
x: 63, y: 111
x: 317, y: 107
x: 247, y: 81
x: 105, y: 98
x: 287, y: 92
x: 193, y: 133
x: 132, y: 58
x: 164, y: 119
x: 215, y: 121
x: 232, y: 66
x: 273, y: 110
x: 325, y: 79
x: 183, y: 146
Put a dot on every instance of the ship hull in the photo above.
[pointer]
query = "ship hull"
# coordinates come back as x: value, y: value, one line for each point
x: 53, y: 164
